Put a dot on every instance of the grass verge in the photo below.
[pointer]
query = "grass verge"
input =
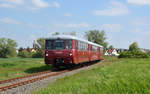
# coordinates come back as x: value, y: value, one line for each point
x: 16, y: 67
x: 114, y: 76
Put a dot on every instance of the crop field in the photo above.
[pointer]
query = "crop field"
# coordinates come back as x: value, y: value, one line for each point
x: 16, y: 67
x: 113, y: 76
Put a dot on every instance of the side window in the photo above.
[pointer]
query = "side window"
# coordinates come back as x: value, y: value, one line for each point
x: 101, y: 50
x: 82, y: 46
x: 79, y: 45
x: 94, y: 48
x: 68, y: 44
x: 76, y: 44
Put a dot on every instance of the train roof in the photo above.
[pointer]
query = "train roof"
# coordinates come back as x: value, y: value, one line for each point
x: 74, y: 38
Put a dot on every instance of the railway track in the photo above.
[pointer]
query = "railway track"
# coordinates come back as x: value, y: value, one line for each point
x: 20, y: 81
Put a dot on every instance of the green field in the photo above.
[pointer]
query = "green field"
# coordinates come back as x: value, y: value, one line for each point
x: 114, y: 76
x: 16, y: 67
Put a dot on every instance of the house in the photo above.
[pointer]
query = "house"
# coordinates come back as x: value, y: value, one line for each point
x: 30, y: 49
x: 111, y: 52
x: 145, y: 50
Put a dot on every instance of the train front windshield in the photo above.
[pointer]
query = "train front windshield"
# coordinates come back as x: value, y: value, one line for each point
x: 58, y: 44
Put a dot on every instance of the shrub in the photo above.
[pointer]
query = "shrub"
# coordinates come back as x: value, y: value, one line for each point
x: 148, y: 53
x: 25, y: 54
x: 134, y: 47
x: 38, y: 54
x: 7, y: 48
x: 133, y: 54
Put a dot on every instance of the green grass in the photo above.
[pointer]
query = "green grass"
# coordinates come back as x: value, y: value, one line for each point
x: 123, y: 76
x: 16, y: 67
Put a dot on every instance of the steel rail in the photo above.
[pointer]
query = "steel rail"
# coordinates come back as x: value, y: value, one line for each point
x: 4, y: 88
x: 27, y: 76
x: 50, y: 74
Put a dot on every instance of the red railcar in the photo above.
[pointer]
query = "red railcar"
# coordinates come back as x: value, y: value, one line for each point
x: 68, y: 50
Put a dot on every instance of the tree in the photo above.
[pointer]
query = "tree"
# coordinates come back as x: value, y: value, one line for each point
x: 134, y: 47
x: 41, y: 43
x: 28, y: 49
x: 111, y: 47
x: 97, y: 36
x: 56, y: 33
x: 73, y: 33
x: 20, y: 49
x: 7, y: 48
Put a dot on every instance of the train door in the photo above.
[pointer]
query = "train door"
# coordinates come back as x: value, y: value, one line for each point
x: 98, y: 53
x: 80, y: 52
x: 101, y: 53
x: 75, y: 51
x: 89, y: 51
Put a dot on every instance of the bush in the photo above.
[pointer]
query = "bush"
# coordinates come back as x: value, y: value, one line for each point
x: 7, y: 48
x: 25, y: 54
x: 38, y: 54
x: 148, y: 53
x: 133, y: 54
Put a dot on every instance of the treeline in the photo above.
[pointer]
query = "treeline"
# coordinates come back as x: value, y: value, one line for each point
x: 134, y: 52
x: 8, y: 46
x: 8, y: 49
x: 38, y: 51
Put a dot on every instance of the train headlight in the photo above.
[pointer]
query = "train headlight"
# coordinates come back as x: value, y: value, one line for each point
x: 46, y: 54
x: 70, y: 54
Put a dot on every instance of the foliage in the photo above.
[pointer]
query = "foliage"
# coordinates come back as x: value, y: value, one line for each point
x: 148, y: 53
x: 134, y: 47
x: 73, y: 33
x: 7, y: 48
x: 111, y: 47
x: 25, y: 54
x: 41, y: 43
x: 40, y: 48
x: 97, y: 36
x: 56, y: 33
x: 65, y: 33
x: 133, y: 54
x: 17, y: 67
x: 123, y: 76
x: 20, y: 49
x: 38, y: 54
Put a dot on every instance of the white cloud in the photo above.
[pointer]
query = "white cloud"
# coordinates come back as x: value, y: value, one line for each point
x: 40, y: 3
x: 111, y: 27
x: 139, y: 2
x: 85, y: 25
x: 18, y: 2
x: 10, y: 3
x: 28, y: 4
x: 5, y: 5
x: 68, y: 14
x: 56, y: 5
x: 9, y: 21
x: 115, y: 9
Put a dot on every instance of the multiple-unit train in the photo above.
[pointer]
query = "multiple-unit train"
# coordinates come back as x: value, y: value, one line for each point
x: 68, y: 50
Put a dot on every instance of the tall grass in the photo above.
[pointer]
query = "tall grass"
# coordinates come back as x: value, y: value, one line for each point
x: 16, y: 67
x: 123, y: 76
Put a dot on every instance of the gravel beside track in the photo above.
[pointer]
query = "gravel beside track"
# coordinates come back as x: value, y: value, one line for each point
x: 13, y: 81
x: 28, y: 88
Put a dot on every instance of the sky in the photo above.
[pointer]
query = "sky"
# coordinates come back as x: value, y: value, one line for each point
x: 124, y: 21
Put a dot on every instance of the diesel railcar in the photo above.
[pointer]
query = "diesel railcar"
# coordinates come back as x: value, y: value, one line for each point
x: 62, y: 50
